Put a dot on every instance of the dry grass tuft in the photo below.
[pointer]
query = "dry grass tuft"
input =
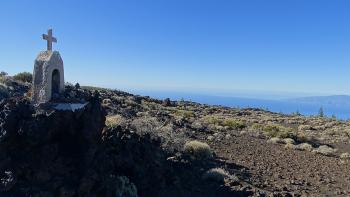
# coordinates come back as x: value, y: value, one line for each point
x: 325, y: 150
x: 216, y: 174
x: 114, y: 121
x: 304, y: 146
x: 290, y: 146
x: 345, y: 156
x: 288, y: 141
x: 275, y: 140
x: 198, y: 150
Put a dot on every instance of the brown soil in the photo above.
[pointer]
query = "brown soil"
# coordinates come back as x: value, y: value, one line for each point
x: 272, y: 167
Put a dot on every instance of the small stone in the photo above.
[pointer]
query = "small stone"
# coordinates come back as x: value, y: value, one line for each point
x: 210, y: 138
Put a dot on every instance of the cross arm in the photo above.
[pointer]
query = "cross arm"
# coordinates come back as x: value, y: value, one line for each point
x: 46, y: 37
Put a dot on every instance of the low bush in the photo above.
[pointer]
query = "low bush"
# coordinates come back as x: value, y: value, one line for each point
x: 24, y: 77
x: 106, y: 102
x: 345, y: 156
x: 185, y: 113
x: 257, y: 126
x: 212, y: 119
x: 288, y: 141
x: 275, y: 140
x: 234, y: 124
x: 325, y: 150
x: 114, y: 121
x: 198, y: 150
x: 290, y: 146
x: 305, y: 147
x: 216, y: 174
x: 273, y: 130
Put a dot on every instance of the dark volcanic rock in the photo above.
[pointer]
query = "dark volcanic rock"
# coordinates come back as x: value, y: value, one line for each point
x: 45, y: 152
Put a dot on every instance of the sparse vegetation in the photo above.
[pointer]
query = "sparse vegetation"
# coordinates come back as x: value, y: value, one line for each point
x: 273, y: 130
x: 304, y: 146
x: 325, y: 150
x: 234, y: 124
x: 106, y: 102
x: 24, y: 77
x: 216, y: 174
x: 345, y: 156
x: 185, y: 113
x: 275, y: 140
x: 288, y: 141
x: 198, y: 150
x: 114, y: 121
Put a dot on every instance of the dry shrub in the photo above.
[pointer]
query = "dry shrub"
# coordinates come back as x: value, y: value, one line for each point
x: 304, y: 146
x: 274, y: 140
x: 106, y: 102
x: 257, y: 126
x: 24, y: 77
x: 234, y: 124
x: 185, y: 113
x: 290, y: 146
x: 114, y: 121
x: 198, y: 150
x: 146, y: 124
x: 273, y: 130
x: 288, y: 141
x: 302, y: 137
x: 325, y: 150
x: 212, y: 119
x: 216, y: 174
x: 345, y: 156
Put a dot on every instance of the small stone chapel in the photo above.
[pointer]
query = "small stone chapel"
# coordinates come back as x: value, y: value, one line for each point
x: 48, y: 75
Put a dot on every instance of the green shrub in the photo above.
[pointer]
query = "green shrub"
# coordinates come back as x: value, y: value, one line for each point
x: 273, y: 130
x: 185, y: 113
x: 257, y: 126
x: 24, y: 77
x: 234, y: 124
x: 198, y: 150
x: 212, y: 119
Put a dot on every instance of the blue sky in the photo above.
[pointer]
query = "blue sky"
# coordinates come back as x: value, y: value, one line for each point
x: 289, y: 47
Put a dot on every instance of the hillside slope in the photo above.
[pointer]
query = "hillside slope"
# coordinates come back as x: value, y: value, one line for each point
x: 144, y: 148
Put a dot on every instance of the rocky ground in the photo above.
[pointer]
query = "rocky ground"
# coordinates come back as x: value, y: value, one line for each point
x: 128, y: 145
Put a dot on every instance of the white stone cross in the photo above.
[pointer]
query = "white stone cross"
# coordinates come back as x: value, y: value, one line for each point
x: 49, y: 39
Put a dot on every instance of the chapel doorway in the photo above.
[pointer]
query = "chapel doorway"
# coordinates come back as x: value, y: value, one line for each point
x: 55, y: 91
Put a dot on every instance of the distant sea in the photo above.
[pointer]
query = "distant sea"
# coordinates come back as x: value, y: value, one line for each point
x: 338, y: 106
